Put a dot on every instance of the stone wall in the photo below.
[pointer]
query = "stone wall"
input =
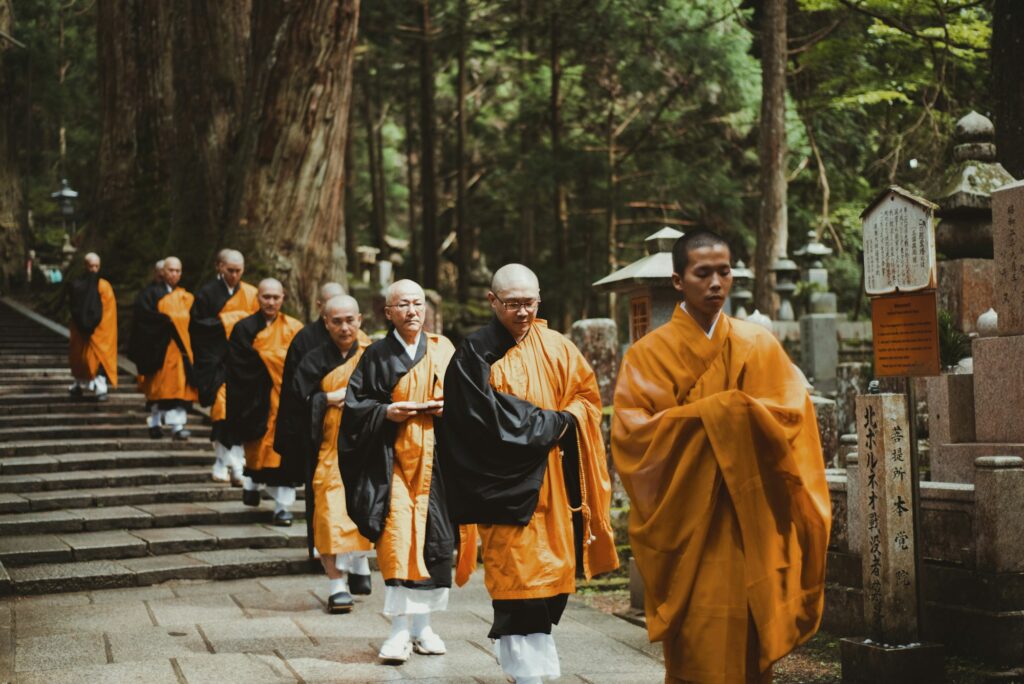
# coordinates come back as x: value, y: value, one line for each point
x: 973, y: 570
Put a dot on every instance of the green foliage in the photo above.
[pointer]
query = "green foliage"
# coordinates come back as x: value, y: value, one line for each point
x: 953, y: 343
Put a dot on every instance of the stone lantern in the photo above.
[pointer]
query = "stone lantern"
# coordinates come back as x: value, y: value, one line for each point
x: 964, y: 235
x: 647, y: 284
x: 810, y: 258
x: 786, y: 272
x: 742, y: 279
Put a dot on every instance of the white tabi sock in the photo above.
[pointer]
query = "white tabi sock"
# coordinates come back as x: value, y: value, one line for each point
x: 337, y: 586
x: 360, y: 565
x: 420, y: 622
x: 399, y: 624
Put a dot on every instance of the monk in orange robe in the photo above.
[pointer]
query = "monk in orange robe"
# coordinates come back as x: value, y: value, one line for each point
x: 524, y: 459
x: 92, y: 348
x: 321, y: 381
x: 161, y: 348
x: 220, y: 304
x: 255, y: 361
x: 392, y: 478
x: 715, y: 439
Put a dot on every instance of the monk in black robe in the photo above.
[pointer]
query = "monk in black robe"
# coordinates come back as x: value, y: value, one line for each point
x: 220, y: 304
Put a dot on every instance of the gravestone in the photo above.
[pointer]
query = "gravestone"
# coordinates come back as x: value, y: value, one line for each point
x: 1008, y: 237
x: 598, y: 341
x: 828, y: 429
x: 819, y: 350
x: 891, y: 651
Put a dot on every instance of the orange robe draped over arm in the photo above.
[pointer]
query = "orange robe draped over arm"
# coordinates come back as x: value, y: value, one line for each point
x: 717, y: 445
x: 271, y: 344
x: 538, y: 560
x: 88, y: 353
x: 171, y: 381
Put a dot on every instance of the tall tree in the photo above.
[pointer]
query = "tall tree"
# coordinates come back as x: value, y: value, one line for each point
x: 12, y: 247
x: 463, y: 231
x: 288, y: 207
x: 1007, y: 57
x: 560, y: 194
x: 378, y: 213
x: 772, y: 225
x: 428, y: 166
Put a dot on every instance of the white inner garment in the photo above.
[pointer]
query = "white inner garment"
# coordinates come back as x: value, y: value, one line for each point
x: 355, y: 562
x: 406, y: 601
x: 410, y: 349
x: 709, y: 333
x: 533, y: 655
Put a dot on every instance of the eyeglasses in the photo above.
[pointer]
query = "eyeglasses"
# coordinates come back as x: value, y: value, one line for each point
x: 405, y: 306
x: 530, y: 305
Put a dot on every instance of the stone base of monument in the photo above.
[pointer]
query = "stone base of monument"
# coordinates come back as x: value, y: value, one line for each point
x: 865, y: 662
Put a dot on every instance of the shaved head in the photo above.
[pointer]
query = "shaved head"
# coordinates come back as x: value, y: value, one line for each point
x: 329, y: 290
x: 514, y: 277
x: 271, y: 285
x: 92, y: 262
x: 403, y: 288
x: 158, y: 271
x: 340, y: 304
x: 231, y: 256
x: 172, y: 262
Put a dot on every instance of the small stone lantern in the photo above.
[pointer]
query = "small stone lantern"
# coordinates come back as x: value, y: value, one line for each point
x: 810, y: 258
x: 742, y: 278
x: 647, y: 284
x: 786, y: 272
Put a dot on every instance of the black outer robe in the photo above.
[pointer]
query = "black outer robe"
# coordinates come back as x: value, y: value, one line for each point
x: 315, y: 366
x: 85, y: 302
x: 366, y: 457
x: 494, y: 445
x: 209, y: 344
x: 292, y: 436
x: 495, y: 449
x: 152, y: 331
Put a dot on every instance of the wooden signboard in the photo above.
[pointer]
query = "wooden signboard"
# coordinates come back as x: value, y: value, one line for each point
x: 905, y: 330
x: 899, y: 243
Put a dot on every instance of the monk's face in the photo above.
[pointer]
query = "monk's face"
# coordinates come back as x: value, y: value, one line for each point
x: 405, y: 309
x: 516, y: 306
x: 707, y: 279
x: 92, y: 265
x: 343, y: 323
x: 231, y: 272
x: 271, y: 298
x: 172, y: 272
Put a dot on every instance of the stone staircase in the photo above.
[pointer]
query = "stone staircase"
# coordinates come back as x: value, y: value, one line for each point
x: 88, y: 501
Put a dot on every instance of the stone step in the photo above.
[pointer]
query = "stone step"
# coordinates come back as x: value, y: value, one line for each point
x: 48, y: 447
x: 97, y: 417
x: 62, y: 397
x: 201, y: 490
x: 12, y: 360
x: 94, y: 519
x: 96, y: 460
x: 61, y: 371
x: 21, y: 384
x: 72, y: 547
x: 133, y: 572
x: 92, y: 479
x: 96, y: 430
x: 87, y: 406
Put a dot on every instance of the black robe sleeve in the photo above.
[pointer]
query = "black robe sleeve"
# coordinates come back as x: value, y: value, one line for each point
x: 494, y: 445
x: 291, y: 434
x: 209, y: 343
x: 366, y: 440
x: 85, y: 302
x: 151, y: 330
x: 248, y: 382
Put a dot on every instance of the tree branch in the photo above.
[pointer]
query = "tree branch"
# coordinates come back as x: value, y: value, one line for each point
x: 905, y: 27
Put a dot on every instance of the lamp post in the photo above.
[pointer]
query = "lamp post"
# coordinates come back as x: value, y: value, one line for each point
x: 65, y: 198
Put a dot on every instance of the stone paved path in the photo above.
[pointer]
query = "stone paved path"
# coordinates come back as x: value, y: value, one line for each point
x: 275, y: 630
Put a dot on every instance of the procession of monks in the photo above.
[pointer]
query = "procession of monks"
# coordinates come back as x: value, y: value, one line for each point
x: 434, y: 457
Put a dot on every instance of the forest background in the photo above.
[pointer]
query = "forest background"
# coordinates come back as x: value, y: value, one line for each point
x: 558, y: 133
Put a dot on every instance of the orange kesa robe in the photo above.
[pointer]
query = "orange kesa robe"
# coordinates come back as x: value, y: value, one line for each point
x: 717, y: 445
x: 333, y: 529
x: 271, y: 344
x: 243, y: 303
x: 170, y: 381
x: 539, y: 560
x: 88, y: 353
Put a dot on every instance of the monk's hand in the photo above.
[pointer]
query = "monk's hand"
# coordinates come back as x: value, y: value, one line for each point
x: 401, y: 411
x: 436, y: 408
x: 337, y: 397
